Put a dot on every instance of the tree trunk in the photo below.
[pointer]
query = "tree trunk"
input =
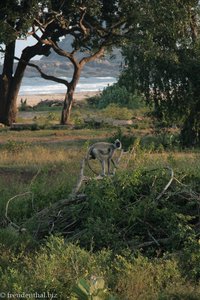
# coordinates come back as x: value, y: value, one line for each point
x: 67, y: 106
x: 4, y: 89
x: 69, y: 97
x: 11, y: 111
x: 9, y: 84
x: 6, y: 81
x: 190, y: 133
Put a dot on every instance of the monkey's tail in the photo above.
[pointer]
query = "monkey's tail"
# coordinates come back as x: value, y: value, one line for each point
x: 89, y: 165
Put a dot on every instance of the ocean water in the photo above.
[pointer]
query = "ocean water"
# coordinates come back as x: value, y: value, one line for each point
x: 37, y: 85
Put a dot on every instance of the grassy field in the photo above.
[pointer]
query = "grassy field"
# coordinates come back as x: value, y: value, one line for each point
x: 41, y: 166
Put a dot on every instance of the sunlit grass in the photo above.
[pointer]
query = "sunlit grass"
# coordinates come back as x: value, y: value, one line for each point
x: 39, y: 156
x: 180, y: 161
x: 48, y: 175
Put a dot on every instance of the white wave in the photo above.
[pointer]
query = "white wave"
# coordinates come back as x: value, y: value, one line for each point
x: 37, y: 85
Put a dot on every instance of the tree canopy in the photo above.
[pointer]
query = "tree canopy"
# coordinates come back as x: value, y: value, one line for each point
x: 16, y: 18
x: 163, y: 62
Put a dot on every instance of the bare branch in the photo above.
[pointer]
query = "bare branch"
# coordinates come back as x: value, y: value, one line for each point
x: 153, y: 238
x: 7, y: 206
x: 48, y: 77
x: 62, y: 52
x: 80, y: 180
x: 119, y: 24
x: 83, y: 28
x: 40, y: 25
x: 150, y: 243
x: 43, y: 75
x: 168, y: 184
x: 92, y: 57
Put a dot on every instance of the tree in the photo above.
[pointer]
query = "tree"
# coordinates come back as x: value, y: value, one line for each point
x: 163, y: 63
x: 16, y: 17
x: 94, y: 27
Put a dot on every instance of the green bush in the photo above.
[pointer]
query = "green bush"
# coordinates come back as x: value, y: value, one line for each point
x: 128, y: 140
x: 116, y: 112
x: 125, y: 211
x: 23, y: 105
x: 69, y: 272
x: 118, y: 95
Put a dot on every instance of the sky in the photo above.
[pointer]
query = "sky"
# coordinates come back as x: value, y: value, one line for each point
x: 20, y: 45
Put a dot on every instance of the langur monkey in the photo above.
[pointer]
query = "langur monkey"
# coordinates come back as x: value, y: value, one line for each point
x: 103, y: 152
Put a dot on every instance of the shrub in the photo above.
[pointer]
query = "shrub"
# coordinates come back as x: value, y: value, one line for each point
x: 146, y: 279
x: 128, y: 140
x: 125, y: 211
x: 119, y: 95
x: 69, y: 272
x: 116, y: 112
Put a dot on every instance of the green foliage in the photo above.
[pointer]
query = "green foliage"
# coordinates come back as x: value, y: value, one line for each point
x: 31, y: 191
x: 23, y: 105
x: 166, y: 136
x: 49, y: 186
x: 14, y: 241
x: 163, y: 63
x: 93, y: 290
x: 117, y: 95
x: 16, y: 147
x: 125, y: 211
x: 147, y: 279
x: 116, y: 112
x: 51, y: 116
x: 128, y: 140
x: 78, y: 119
x: 55, y: 267
x: 190, y: 258
x: 16, y: 18
x: 93, y: 123
x: 67, y: 271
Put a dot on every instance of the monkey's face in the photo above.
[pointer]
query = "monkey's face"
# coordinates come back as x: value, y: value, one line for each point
x: 118, y: 144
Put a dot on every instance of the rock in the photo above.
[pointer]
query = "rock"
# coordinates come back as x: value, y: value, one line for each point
x: 122, y: 122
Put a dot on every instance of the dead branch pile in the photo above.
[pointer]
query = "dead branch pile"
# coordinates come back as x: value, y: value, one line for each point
x: 167, y: 195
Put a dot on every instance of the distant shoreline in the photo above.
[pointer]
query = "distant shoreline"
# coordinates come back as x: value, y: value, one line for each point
x: 36, y: 85
x: 36, y: 98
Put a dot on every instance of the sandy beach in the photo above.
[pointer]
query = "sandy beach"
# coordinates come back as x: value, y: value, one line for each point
x: 34, y: 99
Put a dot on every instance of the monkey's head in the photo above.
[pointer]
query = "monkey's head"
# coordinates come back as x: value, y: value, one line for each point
x: 118, y: 144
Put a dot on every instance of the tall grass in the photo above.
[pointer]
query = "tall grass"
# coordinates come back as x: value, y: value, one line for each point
x: 27, y: 155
